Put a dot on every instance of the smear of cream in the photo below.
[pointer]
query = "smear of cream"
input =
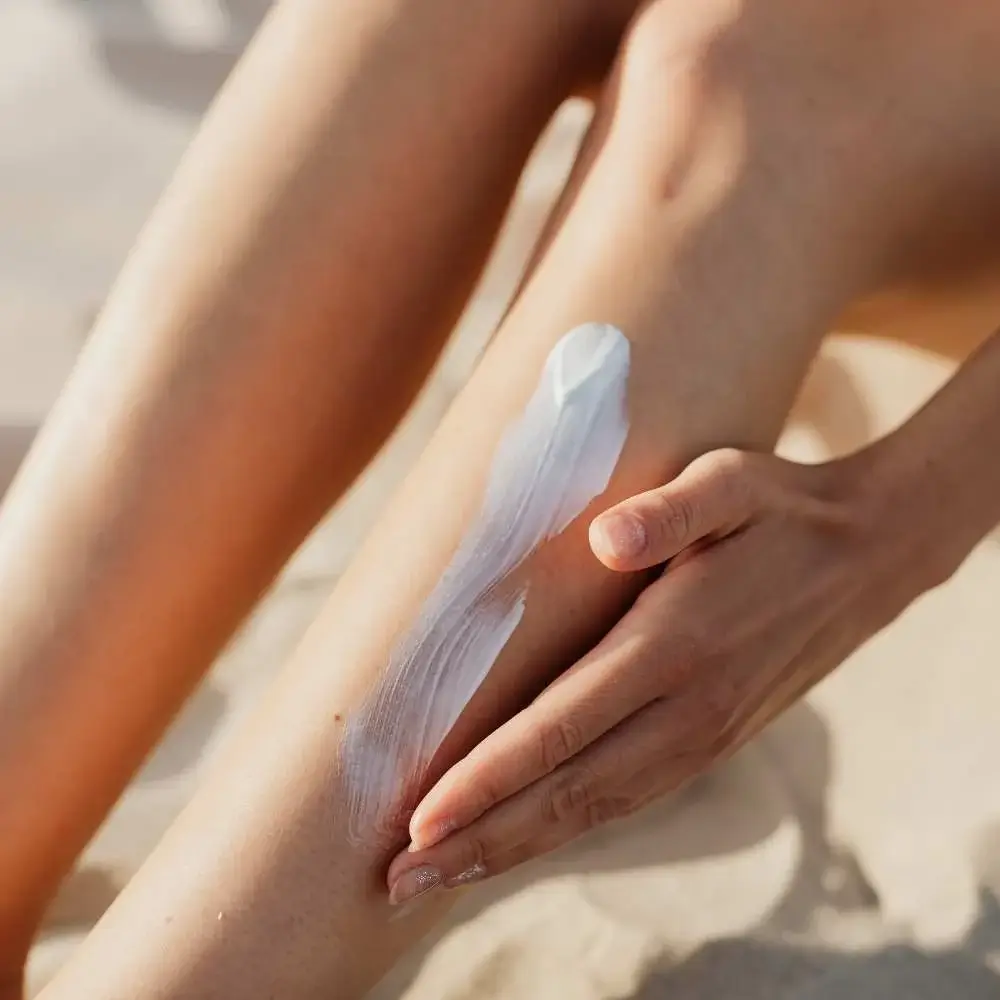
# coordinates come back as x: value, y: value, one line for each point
x: 547, y: 469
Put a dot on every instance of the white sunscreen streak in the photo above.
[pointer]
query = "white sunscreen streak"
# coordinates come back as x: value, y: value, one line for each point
x: 547, y: 469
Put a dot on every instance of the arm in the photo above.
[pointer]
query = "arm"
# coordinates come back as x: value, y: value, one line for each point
x: 275, y: 321
x: 944, y: 458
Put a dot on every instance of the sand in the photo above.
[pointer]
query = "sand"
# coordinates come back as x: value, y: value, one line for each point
x: 853, y: 851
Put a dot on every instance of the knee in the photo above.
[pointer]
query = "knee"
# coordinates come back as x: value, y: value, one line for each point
x: 676, y: 110
x: 707, y: 103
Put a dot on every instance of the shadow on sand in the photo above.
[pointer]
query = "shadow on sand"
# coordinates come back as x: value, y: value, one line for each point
x: 779, y: 959
x: 760, y: 970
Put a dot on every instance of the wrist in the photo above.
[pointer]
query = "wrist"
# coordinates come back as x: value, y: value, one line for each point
x: 937, y: 475
x: 899, y: 555
x: 915, y: 543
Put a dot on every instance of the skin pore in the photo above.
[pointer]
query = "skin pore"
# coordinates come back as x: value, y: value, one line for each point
x: 662, y: 238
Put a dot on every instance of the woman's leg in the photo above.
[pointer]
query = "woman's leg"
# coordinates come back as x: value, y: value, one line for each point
x: 277, y: 318
x: 265, y: 886
x: 674, y: 236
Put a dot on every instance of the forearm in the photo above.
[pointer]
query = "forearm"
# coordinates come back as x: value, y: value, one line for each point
x: 937, y: 478
x: 276, y: 319
x: 260, y: 889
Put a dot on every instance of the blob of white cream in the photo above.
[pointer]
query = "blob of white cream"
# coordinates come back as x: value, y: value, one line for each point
x: 547, y: 469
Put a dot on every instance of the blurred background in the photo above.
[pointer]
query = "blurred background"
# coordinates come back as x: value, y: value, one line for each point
x: 851, y: 852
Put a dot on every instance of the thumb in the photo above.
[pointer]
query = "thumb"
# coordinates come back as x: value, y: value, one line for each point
x: 712, y: 496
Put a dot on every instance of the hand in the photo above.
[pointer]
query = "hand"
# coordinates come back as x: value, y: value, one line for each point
x: 778, y: 571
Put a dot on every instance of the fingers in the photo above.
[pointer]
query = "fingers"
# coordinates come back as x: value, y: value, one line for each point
x: 606, y: 686
x: 612, y: 779
x: 713, y: 496
x: 628, y: 797
x: 635, y: 664
x: 559, y: 798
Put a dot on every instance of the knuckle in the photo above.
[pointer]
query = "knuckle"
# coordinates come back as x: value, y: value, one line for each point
x: 718, y: 704
x: 731, y: 473
x: 483, y: 793
x: 569, y: 796
x: 727, y: 462
x: 474, y: 852
x: 675, y: 520
x: 560, y: 742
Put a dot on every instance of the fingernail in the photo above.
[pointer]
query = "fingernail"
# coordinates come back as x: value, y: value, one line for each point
x: 429, y: 836
x: 620, y: 535
x: 413, y: 883
x: 473, y: 874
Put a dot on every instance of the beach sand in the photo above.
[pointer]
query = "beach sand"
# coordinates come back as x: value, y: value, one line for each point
x: 850, y: 853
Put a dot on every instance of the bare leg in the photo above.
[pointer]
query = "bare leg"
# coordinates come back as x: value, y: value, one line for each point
x: 280, y: 313
x: 259, y: 890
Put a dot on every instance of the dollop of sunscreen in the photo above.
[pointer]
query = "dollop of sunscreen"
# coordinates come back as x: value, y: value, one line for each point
x: 548, y: 467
